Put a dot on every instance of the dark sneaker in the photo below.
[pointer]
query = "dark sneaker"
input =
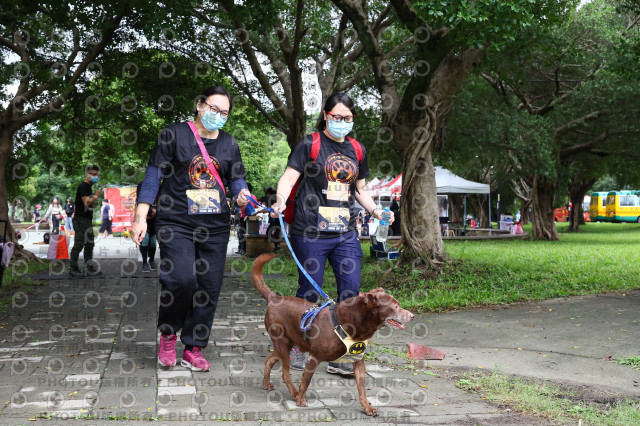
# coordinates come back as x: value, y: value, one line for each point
x: 297, y: 359
x: 146, y: 267
x: 152, y: 265
x: 76, y: 273
x: 194, y: 360
x: 343, y: 369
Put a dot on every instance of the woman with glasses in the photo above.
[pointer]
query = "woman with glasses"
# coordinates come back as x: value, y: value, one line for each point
x: 194, y: 168
x: 332, y: 177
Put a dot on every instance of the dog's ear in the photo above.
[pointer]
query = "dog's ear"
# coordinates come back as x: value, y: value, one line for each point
x: 370, y: 299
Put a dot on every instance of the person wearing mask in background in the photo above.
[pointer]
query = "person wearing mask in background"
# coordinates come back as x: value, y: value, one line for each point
x: 55, y: 212
x: 324, y: 222
x: 191, y: 165
x: 106, y: 213
x: 69, y: 209
x: 84, y: 238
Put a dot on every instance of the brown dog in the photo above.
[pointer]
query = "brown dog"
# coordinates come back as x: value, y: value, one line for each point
x: 359, y: 316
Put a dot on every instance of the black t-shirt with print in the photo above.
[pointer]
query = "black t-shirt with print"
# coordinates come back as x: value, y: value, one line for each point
x: 84, y: 190
x: 185, y: 176
x: 336, y: 162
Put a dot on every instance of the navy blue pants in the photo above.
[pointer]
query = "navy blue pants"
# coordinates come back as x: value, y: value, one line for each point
x: 344, y: 254
x: 191, y: 273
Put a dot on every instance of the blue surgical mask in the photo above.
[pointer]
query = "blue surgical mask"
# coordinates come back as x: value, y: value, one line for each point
x: 95, y: 179
x: 213, y: 121
x: 339, y: 129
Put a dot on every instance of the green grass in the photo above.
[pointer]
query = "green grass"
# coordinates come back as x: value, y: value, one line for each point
x: 549, y: 401
x: 600, y: 258
x: 633, y: 361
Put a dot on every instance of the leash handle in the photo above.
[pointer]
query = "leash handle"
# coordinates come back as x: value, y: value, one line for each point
x: 324, y: 295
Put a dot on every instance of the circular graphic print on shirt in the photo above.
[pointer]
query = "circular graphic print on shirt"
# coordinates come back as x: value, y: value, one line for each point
x: 199, y: 174
x: 340, y: 168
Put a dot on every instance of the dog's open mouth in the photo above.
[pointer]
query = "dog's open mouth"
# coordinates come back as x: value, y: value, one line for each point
x: 395, y: 324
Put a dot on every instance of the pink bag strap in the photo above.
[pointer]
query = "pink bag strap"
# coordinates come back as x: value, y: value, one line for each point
x: 205, y: 154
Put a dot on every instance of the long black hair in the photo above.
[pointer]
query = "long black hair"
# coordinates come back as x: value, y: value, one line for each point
x: 215, y: 90
x: 333, y: 100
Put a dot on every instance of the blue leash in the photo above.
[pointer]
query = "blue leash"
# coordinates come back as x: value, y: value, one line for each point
x: 324, y: 295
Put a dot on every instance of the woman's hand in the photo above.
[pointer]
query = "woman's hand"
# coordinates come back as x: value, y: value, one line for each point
x: 138, y: 231
x: 277, y: 208
x: 377, y: 213
x: 242, y: 199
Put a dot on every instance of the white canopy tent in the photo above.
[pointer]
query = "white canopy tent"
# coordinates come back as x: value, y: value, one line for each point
x: 446, y: 183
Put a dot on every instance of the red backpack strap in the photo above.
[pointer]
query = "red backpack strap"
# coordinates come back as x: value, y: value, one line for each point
x: 315, y: 146
x: 357, y: 148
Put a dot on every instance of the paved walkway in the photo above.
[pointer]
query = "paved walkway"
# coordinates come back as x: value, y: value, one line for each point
x: 86, y: 349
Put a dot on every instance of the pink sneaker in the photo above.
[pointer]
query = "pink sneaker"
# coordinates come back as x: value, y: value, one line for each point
x: 194, y: 360
x: 167, y: 351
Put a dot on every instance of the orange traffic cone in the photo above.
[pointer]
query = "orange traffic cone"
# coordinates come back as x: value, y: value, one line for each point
x: 62, y: 251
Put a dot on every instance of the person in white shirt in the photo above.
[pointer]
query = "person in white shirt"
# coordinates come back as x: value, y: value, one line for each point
x: 55, y: 212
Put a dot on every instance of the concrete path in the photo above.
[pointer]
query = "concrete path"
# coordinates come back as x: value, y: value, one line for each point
x: 86, y: 349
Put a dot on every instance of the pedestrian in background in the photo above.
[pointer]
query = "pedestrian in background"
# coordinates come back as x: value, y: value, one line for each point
x: 36, y: 216
x: 149, y: 242
x: 69, y: 209
x: 55, y: 214
x: 106, y: 213
x: 84, y: 238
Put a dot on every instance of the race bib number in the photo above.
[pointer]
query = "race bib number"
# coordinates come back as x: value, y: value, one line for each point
x: 338, y: 191
x: 203, y: 201
x: 333, y: 219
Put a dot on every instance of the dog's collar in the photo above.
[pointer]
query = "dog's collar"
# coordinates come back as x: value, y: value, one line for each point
x: 355, y: 349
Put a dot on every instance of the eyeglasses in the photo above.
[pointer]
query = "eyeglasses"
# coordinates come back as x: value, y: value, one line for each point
x: 346, y: 118
x: 214, y: 109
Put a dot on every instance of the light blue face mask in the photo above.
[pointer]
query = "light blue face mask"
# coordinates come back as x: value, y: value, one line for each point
x: 339, y: 129
x: 95, y: 179
x: 213, y: 121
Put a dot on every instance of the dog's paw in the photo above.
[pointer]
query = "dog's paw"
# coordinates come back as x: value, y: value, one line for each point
x: 268, y: 386
x: 371, y: 411
x: 302, y: 402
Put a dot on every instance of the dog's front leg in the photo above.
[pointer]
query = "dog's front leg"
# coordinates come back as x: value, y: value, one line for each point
x: 309, y: 369
x: 361, y: 374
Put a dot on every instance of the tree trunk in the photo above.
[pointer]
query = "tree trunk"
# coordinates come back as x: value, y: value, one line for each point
x: 457, y: 208
x: 577, y: 189
x: 524, y: 211
x: 6, y: 147
x: 480, y: 207
x: 297, y: 130
x: 420, y: 224
x: 544, y: 228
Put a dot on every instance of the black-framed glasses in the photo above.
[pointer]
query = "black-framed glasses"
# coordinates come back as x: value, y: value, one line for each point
x: 214, y: 109
x: 346, y: 118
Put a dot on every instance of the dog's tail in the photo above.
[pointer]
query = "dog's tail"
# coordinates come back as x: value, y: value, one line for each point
x: 256, y: 275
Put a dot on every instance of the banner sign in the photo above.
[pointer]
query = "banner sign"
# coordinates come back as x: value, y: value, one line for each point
x: 123, y: 199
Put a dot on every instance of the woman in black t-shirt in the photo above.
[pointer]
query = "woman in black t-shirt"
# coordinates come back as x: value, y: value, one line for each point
x: 196, y: 161
x: 332, y: 179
